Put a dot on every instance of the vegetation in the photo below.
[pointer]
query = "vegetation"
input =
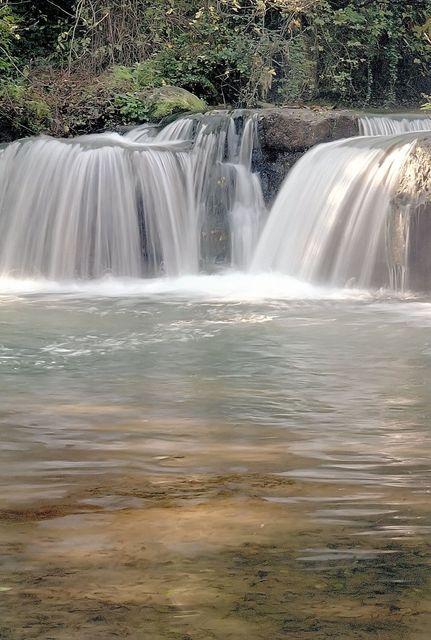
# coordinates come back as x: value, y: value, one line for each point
x: 69, y: 66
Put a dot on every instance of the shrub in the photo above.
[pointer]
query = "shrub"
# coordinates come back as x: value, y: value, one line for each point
x: 23, y: 112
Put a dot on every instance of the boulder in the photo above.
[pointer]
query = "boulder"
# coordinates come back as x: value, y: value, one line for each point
x: 410, y: 222
x: 167, y: 100
x: 286, y: 133
x: 291, y: 130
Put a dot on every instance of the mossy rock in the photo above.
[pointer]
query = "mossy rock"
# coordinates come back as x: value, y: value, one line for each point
x: 167, y: 100
x: 155, y: 104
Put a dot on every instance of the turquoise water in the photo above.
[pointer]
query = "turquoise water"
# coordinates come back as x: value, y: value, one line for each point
x: 339, y: 379
x: 233, y: 376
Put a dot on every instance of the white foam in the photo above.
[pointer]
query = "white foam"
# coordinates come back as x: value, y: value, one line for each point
x: 229, y: 286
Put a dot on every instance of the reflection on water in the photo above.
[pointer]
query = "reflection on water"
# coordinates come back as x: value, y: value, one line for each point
x: 253, y: 461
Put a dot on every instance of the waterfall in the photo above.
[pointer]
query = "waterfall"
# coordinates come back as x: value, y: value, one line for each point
x: 248, y: 205
x: 185, y: 198
x: 393, y: 124
x: 328, y: 223
x: 154, y: 201
x: 95, y: 205
x: 226, y: 190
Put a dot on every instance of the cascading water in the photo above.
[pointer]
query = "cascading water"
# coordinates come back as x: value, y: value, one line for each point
x: 329, y: 221
x: 140, y: 204
x: 247, y: 203
x: 87, y: 207
x: 392, y: 125
x: 177, y: 200
x: 226, y: 190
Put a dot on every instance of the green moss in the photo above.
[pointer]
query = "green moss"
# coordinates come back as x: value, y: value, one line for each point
x: 155, y: 104
x: 143, y: 75
x: 120, y: 76
x: 147, y: 74
x: 168, y: 100
x: 127, y: 95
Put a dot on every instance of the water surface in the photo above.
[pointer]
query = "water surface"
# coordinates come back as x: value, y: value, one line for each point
x: 214, y: 457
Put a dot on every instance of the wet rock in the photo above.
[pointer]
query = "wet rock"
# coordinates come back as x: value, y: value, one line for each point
x: 273, y: 170
x: 410, y: 222
x: 290, y: 130
x: 285, y: 134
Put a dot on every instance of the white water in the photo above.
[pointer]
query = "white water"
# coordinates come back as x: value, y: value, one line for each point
x: 73, y: 209
x: 246, y: 214
x: 174, y: 201
x: 392, y: 125
x: 328, y: 223
x: 225, y: 187
x: 128, y: 206
x: 225, y: 287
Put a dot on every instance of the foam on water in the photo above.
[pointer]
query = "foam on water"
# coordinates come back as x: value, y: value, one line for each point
x: 228, y: 286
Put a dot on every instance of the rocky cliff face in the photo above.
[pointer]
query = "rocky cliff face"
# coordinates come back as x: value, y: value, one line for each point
x: 410, y: 222
x: 285, y: 134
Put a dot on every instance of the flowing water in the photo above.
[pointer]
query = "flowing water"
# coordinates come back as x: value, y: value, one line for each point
x: 225, y: 456
x: 329, y: 220
x: 144, y: 204
x: 392, y: 125
x: 231, y: 456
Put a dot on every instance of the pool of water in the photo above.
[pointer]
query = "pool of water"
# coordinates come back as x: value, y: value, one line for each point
x: 243, y: 428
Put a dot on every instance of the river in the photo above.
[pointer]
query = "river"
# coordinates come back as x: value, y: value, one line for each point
x: 226, y: 456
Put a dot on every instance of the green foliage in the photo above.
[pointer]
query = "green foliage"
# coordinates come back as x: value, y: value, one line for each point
x: 233, y: 52
x: 167, y: 100
x: 41, y: 25
x: 300, y: 81
x: 132, y: 108
x: 142, y: 75
x: 24, y: 112
x: 372, y: 52
x: 156, y: 104
x: 8, y: 36
x: 244, y: 51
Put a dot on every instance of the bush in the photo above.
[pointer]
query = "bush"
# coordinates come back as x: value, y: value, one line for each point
x: 104, y: 59
x: 8, y: 37
x: 23, y: 112
x: 242, y: 51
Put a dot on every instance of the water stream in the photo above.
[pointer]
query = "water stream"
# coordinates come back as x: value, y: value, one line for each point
x: 241, y: 454
x: 329, y: 220
x: 139, y: 205
x: 391, y: 125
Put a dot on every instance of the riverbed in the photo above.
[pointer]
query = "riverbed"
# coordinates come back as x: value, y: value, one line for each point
x: 230, y: 457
